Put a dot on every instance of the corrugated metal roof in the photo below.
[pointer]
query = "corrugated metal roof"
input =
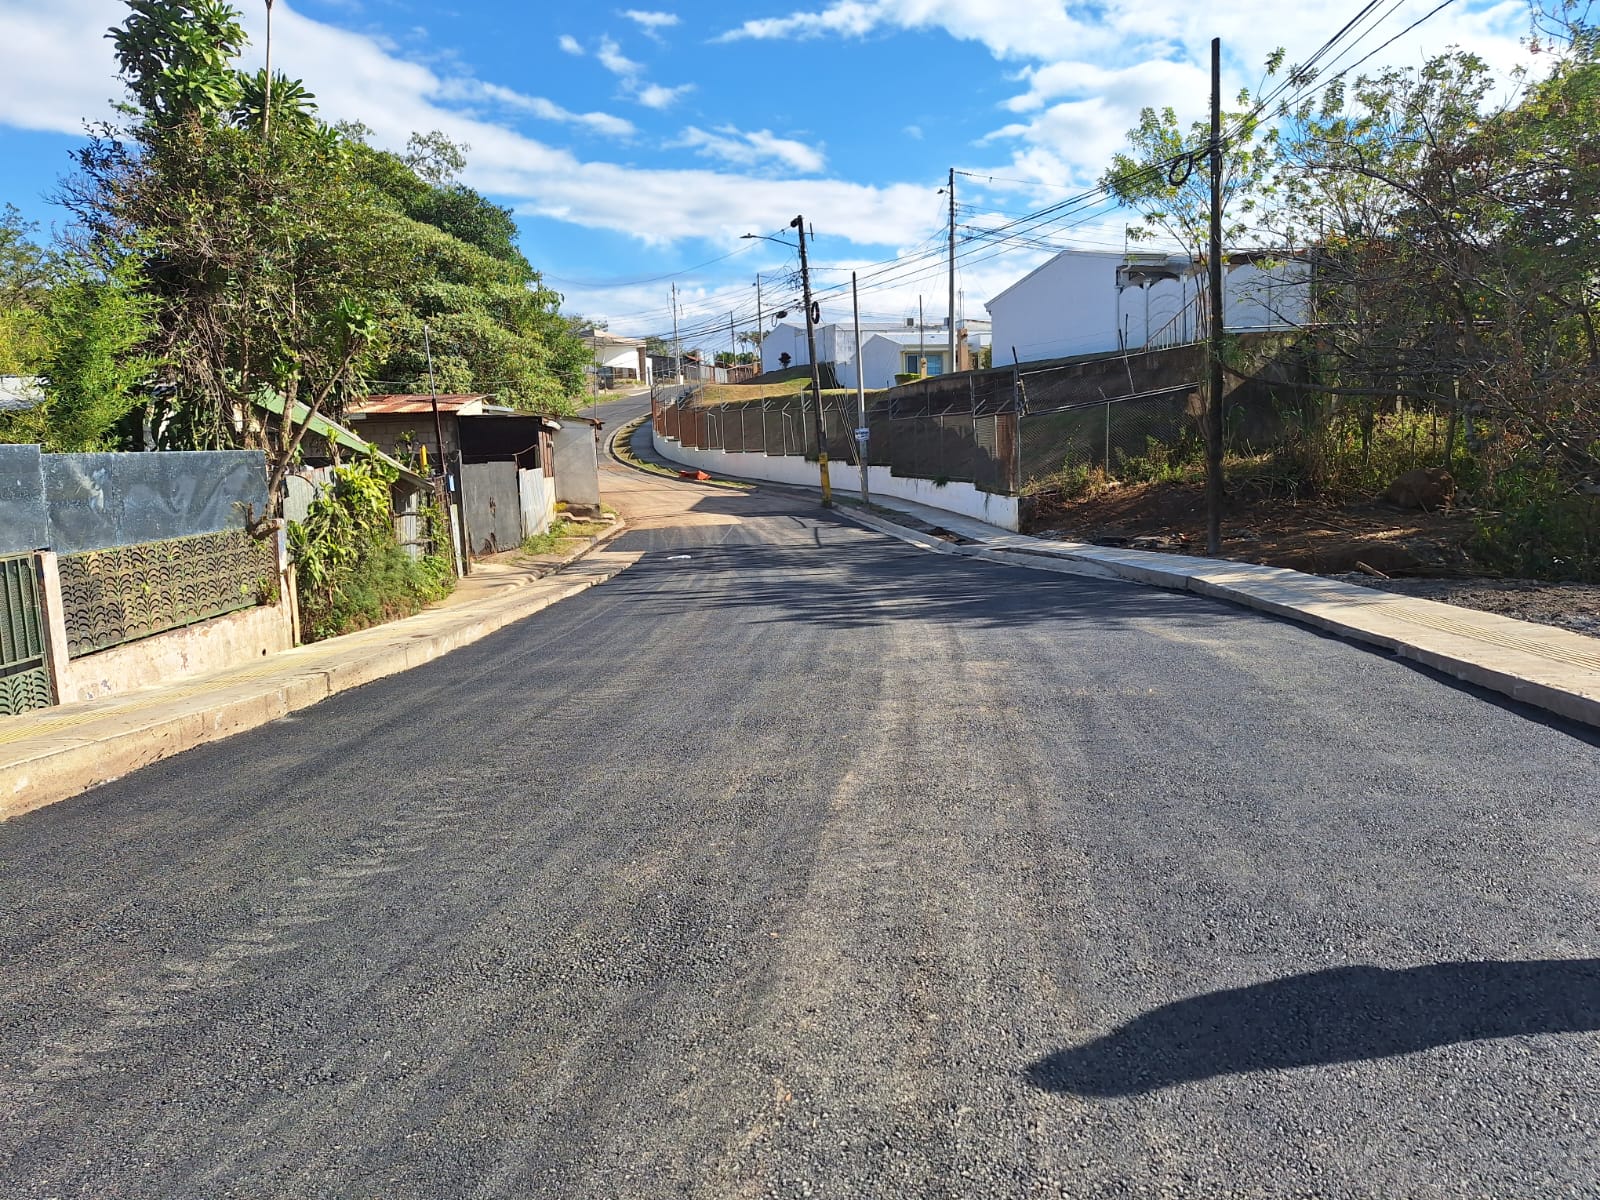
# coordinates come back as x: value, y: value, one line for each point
x: 463, y: 404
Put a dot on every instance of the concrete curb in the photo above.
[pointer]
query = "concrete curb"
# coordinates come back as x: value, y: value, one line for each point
x: 1484, y: 649
x: 90, y: 750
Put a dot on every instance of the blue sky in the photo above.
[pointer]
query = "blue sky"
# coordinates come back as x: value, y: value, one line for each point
x: 636, y: 145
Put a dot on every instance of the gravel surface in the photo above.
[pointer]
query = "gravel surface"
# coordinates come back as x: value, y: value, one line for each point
x: 813, y: 865
x: 1574, y: 606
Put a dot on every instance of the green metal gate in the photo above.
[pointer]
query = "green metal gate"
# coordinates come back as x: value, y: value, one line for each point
x: 24, y: 677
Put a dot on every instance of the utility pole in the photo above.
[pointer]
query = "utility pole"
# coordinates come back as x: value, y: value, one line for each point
x: 1214, y: 357
x: 761, y: 334
x: 266, y: 101
x: 861, y: 396
x: 733, y: 344
x: 816, y: 373
x: 677, y: 346
x: 952, y: 310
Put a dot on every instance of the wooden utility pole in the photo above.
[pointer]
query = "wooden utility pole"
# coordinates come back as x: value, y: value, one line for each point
x: 1214, y: 407
x: 816, y: 374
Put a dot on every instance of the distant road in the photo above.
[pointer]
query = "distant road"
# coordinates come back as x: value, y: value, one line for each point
x: 797, y: 862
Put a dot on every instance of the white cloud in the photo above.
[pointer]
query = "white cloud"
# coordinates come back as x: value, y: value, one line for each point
x: 613, y: 60
x: 538, y: 106
x: 914, y: 132
x: 651, y: 22
x: 655, y: 95
x: 747, y: 148
x: 67, y: 74
x: 571, y: 45
x: 1087, y: 72
x: 1035, y: 29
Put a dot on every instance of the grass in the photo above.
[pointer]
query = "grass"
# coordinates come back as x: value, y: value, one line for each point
x: 552, y: 540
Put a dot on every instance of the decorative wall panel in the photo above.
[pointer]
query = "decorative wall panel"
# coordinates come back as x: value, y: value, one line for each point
x: 129, y: 592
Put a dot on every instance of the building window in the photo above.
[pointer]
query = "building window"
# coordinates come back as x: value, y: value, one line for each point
x: 934, y: 360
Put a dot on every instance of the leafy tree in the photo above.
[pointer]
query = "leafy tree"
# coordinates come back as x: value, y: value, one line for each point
x: 176, y: 58
x: 1166, y: 173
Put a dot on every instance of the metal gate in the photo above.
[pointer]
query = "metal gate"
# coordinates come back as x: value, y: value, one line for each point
x: 24, y: 677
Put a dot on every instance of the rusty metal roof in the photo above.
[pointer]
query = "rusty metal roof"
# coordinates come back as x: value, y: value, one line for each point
x: 461, y: 404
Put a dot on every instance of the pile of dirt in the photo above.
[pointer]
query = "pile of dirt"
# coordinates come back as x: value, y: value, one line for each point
x: 1322, y: 539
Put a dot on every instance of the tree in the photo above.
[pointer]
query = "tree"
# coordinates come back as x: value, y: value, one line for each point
x: 1166, y: 174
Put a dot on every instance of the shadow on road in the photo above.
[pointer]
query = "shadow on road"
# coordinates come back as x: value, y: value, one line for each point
x: 1345, y: 1014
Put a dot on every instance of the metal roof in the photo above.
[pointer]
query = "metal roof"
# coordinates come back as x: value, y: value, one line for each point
x: 462, y: 404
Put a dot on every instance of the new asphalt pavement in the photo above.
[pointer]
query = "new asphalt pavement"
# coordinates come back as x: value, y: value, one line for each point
x: 795, y: 861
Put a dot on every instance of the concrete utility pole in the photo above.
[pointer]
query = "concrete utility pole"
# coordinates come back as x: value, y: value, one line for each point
x: 951, y: 366
x: 1214, y: 412
x: 761, y: 333
x: 677, y: 346
x: 816, y: 373
x: 861, y: 396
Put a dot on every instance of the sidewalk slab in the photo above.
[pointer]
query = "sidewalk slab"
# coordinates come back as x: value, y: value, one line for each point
x: 54, y: 753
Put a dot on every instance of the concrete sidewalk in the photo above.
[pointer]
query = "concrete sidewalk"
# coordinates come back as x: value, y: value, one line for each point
x: 54, y: 753
x: 1550, y: 668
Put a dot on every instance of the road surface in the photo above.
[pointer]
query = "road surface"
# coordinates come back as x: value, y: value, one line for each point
x: 797, y: 862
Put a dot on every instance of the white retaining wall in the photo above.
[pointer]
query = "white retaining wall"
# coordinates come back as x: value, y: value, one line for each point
x: 962, y: 498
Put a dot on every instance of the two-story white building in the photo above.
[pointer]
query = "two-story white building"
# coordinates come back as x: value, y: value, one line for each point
x: 1106, y: 301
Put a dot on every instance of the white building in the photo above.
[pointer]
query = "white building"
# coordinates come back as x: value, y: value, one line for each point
x: 617, y: 360
x: 1104, y: 301
x: 887, y: 348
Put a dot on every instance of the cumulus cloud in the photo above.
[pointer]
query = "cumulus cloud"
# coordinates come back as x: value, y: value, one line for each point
x: 748, y: 148
x: 65, y: 73
x: 570, y: 45
x: 1087, y: 70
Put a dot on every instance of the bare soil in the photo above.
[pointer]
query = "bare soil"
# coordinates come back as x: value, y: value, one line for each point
x: 1423, y: 553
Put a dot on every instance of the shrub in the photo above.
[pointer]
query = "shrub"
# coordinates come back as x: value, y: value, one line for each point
x: 351, y: 571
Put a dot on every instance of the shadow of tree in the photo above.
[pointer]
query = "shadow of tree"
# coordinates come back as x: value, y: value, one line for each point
x: 1344, y: 1014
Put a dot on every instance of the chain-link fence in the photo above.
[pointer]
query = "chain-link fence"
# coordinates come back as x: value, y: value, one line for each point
x: 1008, y: 430
x: 1107, y: 435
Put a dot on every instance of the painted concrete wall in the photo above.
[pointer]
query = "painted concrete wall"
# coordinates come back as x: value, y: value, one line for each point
x: 537, y: 494
x: 214, y: 645
x: 232, y: 640
x: 577, y: 465
x: 961, y: 498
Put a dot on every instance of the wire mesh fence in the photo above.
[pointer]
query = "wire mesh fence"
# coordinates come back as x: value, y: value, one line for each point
x: 1008, y: 430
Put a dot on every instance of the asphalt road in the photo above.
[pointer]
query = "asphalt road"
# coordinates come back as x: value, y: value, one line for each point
x: 797, y: 862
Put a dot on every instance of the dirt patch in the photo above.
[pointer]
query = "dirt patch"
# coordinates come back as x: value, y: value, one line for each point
x: 1423, y: 552
x: 1307, y: 536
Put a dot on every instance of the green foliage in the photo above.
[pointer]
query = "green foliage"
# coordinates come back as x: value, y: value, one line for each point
x: 1539, y: 528
x: 176, y: 57
x: 350, y: 570
x: 93, y: 369
x: 561, y: 530
x: 1163, y: 462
